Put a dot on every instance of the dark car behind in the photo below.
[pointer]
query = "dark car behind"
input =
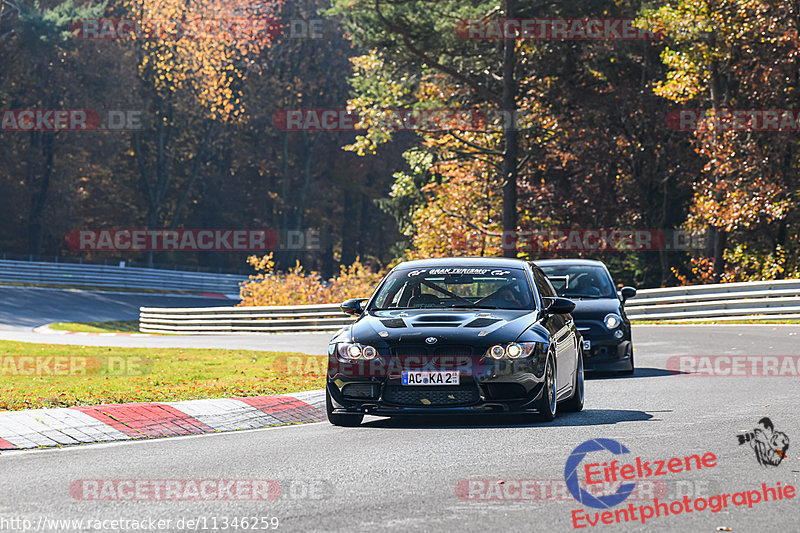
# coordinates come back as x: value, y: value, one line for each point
x: 599, y: 312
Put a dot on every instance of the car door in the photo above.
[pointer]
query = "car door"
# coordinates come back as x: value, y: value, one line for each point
x: 562, y: 333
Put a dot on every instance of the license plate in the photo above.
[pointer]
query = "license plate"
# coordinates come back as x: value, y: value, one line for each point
x: 587, y: 345
x: 430, y: 378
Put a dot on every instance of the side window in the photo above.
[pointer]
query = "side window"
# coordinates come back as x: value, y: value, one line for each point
x: 543, y: 284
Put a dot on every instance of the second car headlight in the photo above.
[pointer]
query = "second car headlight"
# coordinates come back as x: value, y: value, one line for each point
x: 612, y: 320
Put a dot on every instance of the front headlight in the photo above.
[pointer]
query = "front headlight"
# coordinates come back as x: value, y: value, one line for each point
x: 348, y: 350
x: 612, y: 320
x: 513, y: 350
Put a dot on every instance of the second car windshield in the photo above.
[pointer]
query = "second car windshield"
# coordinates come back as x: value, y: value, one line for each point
x: 583, y: 281
x: 430, y: 288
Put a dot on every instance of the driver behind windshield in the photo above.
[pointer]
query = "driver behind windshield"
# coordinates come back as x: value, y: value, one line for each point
x: 501, y: 289
x: 586, y: 285
x: 583, y: 281
x: 508, y: 297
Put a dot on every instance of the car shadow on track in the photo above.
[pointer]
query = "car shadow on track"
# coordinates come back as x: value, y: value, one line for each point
x: 587, y: 417
x: 638, y: 373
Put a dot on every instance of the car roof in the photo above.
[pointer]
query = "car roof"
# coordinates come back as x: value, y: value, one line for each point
x: 567, y: 262
x: 500, y: 262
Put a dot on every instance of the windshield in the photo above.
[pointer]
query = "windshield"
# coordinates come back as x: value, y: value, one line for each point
x: 583, y: 281
x: 436, y: 288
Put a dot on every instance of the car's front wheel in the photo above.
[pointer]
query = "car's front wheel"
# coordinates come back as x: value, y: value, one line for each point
x: 338, y: 419
x: 547, y: 404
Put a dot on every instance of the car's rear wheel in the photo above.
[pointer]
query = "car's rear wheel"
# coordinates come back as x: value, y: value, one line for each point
x: 338, y: 419
x: 547, y: 404
x: 575, y: 403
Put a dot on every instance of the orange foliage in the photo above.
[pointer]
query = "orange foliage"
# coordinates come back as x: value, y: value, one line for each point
x: 296, y: 287
x: 702, y: 272
x: 219, y: 34
x: 461, y: 215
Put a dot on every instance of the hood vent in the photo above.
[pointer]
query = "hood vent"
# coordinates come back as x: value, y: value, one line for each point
x: 438, y: 321
x: 482, y: 322
x: 394, y: 323
x: 439, y: 318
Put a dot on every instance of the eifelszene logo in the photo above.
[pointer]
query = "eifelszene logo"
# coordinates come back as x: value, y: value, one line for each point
x: 769, y: 445
x: 571, y: 474
x: 616, y: 471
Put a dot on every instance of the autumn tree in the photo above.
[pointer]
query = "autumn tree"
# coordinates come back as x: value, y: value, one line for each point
x: 191, y: 67
x: 725, y: 55
x: 39, y: 72
x: 420, y: 39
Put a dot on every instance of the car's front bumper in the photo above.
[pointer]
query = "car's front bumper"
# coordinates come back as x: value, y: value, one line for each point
x: 615, y: 358
x: 607, y: 353
x: 391, y: 398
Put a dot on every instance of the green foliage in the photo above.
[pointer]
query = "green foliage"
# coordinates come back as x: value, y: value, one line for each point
x: 747, y: 265
x: 52, y: 25
x: 407, y: 193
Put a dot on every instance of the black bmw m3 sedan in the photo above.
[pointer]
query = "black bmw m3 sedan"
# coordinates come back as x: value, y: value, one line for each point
x: 457, y: 336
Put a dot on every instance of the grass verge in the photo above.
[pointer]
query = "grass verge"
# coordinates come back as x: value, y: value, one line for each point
x: 110, y: 326
x: 52, y: 375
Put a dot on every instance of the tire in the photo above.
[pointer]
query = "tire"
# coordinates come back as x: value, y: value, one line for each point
x: 338, y: 419
x: 575, y: 403
x: 547, y: 404
x: 632, y: 369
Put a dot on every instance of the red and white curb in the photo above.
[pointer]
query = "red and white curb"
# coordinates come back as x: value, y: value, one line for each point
x: 35, y: 428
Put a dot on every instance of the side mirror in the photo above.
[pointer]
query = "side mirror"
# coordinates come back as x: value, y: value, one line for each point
x: 627, y: 292
x: 559, y: 306
x: 352, y: 306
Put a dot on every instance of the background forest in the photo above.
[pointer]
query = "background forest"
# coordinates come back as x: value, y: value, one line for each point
x: 591, y: 147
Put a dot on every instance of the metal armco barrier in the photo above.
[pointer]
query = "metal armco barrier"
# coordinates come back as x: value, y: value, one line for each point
x: 221, y: 320
x: 760, y: 300
x: 88, y: 275
x: 753, y: 300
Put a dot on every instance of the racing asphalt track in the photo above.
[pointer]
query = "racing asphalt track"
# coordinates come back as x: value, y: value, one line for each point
x: 24, y: 308
x: 402, y: 475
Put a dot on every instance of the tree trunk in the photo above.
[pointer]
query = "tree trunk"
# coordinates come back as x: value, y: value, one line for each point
x: 510, y: 141
x: 156, y: 190
x: 349, y: 226
x: 718, y: 235
x: 39, y: 174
